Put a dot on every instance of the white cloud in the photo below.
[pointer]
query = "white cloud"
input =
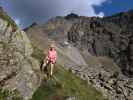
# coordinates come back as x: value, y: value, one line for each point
x: 27, y: 11
x: 101, y: 14
x: 84, y: 7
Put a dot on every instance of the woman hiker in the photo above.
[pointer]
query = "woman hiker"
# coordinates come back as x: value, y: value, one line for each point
x: 50, y: 59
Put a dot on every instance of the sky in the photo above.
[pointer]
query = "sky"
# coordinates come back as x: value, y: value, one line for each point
x: 25, y: 12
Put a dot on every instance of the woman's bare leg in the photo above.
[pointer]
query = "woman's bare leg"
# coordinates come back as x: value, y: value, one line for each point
x: 51, y: 68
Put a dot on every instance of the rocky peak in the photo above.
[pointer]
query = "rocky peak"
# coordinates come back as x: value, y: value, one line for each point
x: 31, y: 26
x: 71, y: 16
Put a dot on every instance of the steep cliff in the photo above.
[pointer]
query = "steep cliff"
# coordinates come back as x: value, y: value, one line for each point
x: 110, y: 36
x: 17, y: 66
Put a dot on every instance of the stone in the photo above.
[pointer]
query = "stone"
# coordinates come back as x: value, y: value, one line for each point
x: 70, y: 98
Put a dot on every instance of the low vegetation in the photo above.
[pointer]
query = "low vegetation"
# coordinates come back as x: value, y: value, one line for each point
x: 64, y: 85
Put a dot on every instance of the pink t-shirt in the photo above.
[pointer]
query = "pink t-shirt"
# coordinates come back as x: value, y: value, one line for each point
x: 52, y: 55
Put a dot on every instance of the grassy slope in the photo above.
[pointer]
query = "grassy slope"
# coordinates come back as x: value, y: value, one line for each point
x: 64, y: 84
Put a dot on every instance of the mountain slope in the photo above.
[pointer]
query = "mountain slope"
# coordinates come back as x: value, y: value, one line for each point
x: 95, y: 49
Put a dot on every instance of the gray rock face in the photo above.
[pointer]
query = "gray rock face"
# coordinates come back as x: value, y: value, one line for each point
x: 106, y: 37
x: 16, y: 63
x: 103, y: 38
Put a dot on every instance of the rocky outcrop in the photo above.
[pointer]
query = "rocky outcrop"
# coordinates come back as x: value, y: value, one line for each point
x: 105, y: 37
x: 124, y: 20
x: 16, y: 63
x: 108, y: 37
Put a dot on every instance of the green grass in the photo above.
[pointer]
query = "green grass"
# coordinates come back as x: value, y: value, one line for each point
x: 64, y: 84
